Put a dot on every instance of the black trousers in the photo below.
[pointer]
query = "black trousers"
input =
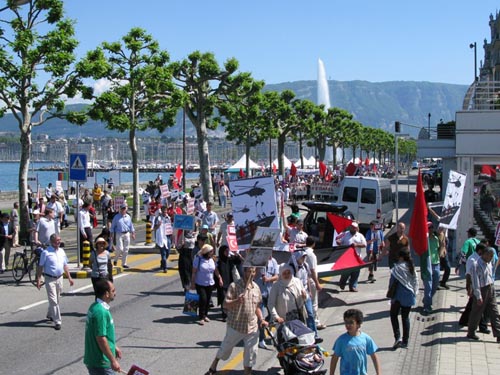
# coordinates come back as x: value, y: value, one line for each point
x: 464, y: 318
x: 205, y: 293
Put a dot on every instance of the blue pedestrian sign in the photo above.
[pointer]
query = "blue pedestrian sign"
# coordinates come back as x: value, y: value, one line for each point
x: 78, y: 167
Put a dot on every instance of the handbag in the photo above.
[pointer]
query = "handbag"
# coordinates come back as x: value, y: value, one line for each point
x: 295, y: 314
x: 191, y: 302
x: 391, y: 292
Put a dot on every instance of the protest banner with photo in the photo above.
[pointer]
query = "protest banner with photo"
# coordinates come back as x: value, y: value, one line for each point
x: 254, y: 205
x: 453, y: 200
x: 257, y: 257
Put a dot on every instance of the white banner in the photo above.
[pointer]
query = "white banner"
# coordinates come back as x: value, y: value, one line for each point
x: 452, y: 200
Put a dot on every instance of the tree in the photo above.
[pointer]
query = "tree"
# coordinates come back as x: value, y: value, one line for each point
x: 336, y: 124
x: 36, y: 74
x: 280, y: 117
x: 241, y: 116
x: 206, y: 87
x: 309, y: 121
x: 142, y: 94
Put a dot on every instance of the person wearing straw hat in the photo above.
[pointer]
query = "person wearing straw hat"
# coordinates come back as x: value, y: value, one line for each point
x: 100, y: 262
x: 101, y: 352
x: 203, y: 280
x: 244, y: 316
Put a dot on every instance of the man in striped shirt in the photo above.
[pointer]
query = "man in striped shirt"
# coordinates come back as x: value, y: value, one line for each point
x: 483, y: 294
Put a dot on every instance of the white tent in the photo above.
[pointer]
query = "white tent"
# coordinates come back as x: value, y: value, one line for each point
x: 241, y: 164
x: 372, y: 161
x: 286, y: 161
x: 311, y: 162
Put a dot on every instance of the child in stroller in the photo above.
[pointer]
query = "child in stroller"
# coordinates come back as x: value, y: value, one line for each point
x: 298, y: 352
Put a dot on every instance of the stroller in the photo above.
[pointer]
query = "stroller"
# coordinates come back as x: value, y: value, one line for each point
x: 298, y: 352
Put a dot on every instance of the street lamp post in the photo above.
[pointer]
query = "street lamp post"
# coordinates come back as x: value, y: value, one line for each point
x: 429, y: 126
x: 474, y: 46
x: 184, y: 148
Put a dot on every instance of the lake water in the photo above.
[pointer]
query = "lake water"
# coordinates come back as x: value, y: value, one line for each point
x: 10, y: 176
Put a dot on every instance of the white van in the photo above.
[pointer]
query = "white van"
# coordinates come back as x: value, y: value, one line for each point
x: 368, y: 199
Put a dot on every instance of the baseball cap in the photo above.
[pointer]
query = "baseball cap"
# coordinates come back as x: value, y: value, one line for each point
x: 205, y: 226
x: 124, y: 205
x: 354, y: 224
x: 36, y: 212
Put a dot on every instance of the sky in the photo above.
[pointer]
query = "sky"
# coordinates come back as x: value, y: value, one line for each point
x: 281, y: 40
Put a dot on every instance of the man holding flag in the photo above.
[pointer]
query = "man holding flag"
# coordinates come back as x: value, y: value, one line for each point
x: 419, y: 232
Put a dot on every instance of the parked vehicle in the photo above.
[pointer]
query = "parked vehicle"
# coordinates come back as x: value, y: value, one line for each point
x: 316, y: 222
x: 367, y: 199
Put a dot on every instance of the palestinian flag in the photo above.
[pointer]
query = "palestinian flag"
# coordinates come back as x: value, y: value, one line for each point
x: 345, y: 261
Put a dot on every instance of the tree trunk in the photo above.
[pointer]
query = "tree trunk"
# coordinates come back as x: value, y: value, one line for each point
x: 281, y: 154
x: 135, y: 177
x: 301, y: 153
x: 205, y: 178
x: 24, y: 163
x: 247, y: 157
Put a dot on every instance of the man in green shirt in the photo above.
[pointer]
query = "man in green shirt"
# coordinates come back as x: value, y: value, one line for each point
x: 430, y: 269
x: 101, y: 352
x: 470, y: 243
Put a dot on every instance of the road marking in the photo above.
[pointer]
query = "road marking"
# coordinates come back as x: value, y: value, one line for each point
x: 27, y: 307
x: 231, y: 365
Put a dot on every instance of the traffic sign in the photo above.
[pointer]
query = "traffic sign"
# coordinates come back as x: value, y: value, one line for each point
x: 78, y: 167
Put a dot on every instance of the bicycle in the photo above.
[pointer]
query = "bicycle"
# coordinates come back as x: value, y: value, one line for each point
x: 25, y: 263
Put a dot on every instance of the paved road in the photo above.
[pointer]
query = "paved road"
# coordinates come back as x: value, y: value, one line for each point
x: 155, y: 335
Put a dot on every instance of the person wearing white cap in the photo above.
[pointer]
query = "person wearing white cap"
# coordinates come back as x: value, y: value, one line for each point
x: 355, y: 238
x: 121, y: 230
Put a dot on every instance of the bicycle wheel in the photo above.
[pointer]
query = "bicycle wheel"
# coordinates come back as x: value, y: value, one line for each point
x: 18, y: 267
x: 32, y: 272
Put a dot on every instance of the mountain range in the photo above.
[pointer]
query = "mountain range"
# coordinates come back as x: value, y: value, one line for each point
x: 376, y: 104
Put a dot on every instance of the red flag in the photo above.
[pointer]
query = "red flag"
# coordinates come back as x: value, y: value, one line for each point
x: 322, y: 169
x: 328, y: 176
x: 418, y: 224
x: 349, y: 259
x: 242, y: 174
x: 351, y: 169
x: 293, y: 170
x: 367, y: 161
x: 274, y: 168
x: 178, y: 173
x: 339, y: 223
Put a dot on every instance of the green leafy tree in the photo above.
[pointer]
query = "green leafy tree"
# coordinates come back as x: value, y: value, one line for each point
x: 281, y: 119
x: 241, y: 116
x: 36, y: 74
x: 337, y: 122
x: 142, y: 94
x: 309, y: 120
x: 206, y: 86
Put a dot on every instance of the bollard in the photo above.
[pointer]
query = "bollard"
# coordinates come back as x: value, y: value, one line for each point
x: 86, y: 254
x: 149, y: 233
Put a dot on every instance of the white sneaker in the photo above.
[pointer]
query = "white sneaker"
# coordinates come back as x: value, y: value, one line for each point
x: 262, y: 344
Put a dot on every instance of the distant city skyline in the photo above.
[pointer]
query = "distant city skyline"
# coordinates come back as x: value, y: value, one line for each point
x: 280, y: 41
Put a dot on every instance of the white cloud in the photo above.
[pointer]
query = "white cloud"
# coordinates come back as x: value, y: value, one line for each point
x: 101, y: 86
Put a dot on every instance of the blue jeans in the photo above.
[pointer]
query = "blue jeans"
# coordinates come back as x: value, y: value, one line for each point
x: 223, y: 200
x: 353, y: 279
x: 310, y: 321
x: 165, y: 252
x: 430, y: 286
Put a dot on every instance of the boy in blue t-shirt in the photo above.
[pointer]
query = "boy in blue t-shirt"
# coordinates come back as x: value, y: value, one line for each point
x: 353, y: 347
